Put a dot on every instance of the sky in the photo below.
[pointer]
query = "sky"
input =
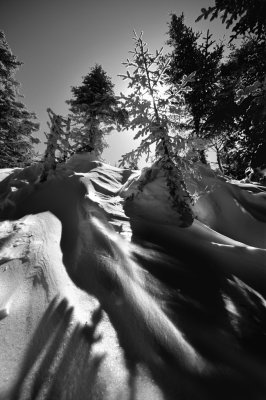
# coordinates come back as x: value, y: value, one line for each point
x: 59, y: 41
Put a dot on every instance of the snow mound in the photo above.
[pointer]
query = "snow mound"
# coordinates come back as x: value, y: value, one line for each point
x: 105, y: 296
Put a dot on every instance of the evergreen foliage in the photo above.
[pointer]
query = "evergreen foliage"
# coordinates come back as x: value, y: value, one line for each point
x: 243, y: 92
x: 58, y: 147
x: 203, y: 59
x: 17, y: 124
x: 157, y: 110
x: 240, y: 108
x: 244, y: 16
x: 95, y: 112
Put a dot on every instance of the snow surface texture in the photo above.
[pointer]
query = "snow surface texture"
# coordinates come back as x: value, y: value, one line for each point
x: 104, y: 296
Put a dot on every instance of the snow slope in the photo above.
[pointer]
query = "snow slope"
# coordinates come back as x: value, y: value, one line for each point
x: 104, y: 296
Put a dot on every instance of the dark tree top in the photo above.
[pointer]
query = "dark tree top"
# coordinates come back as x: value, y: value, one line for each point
x: 245, y: 16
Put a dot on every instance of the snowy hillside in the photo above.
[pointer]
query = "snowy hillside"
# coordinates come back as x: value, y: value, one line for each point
x: 104, y: 295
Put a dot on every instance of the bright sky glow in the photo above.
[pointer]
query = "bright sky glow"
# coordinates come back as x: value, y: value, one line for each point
x: 59, y: 41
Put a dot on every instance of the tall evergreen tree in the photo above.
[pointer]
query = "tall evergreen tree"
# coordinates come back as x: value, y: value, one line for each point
x: 194, y: 54
x: 240, y: 110
x: 17, y: 124
x: 95, y: 111
x: 240, y: 107
x: 157, y: 110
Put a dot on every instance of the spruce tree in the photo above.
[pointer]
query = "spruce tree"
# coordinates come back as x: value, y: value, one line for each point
x: 156, y: 109
x: 240, y: 110
x: 94, y: 111
x: 194, y: 53
x: 17, y: 124
x: 240, y: 107
x: 58, y: 148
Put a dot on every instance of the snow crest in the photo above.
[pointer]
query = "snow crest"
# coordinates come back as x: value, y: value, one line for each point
x: 105, y: 296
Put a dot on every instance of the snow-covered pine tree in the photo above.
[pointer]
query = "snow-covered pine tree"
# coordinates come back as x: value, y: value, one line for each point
x: 157, y: 110
x: 95, y: 111
x: 57, y: 142
x: 17, y: 124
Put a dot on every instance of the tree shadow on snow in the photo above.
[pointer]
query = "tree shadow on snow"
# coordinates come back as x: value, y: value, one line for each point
x: 168, y: 310
x: 58, y: 363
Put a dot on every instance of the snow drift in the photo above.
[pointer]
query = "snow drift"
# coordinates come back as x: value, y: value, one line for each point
x: 104, y: 295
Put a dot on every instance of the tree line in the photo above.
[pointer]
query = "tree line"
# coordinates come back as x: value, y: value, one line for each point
x: 181, y: 104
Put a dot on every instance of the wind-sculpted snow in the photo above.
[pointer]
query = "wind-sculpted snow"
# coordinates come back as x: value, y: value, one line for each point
x: 104, y: 295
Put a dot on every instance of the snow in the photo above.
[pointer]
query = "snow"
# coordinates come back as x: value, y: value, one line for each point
x: 103, y: 295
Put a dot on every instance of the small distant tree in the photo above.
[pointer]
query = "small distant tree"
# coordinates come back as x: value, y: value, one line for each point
x: 157, y: 111
x: 94, y: 111
x: 17, y: 124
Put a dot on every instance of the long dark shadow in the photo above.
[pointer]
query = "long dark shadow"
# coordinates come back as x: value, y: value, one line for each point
x: 57, y: 363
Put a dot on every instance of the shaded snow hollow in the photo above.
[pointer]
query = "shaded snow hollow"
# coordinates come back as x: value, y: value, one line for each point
x: 104, y: 296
